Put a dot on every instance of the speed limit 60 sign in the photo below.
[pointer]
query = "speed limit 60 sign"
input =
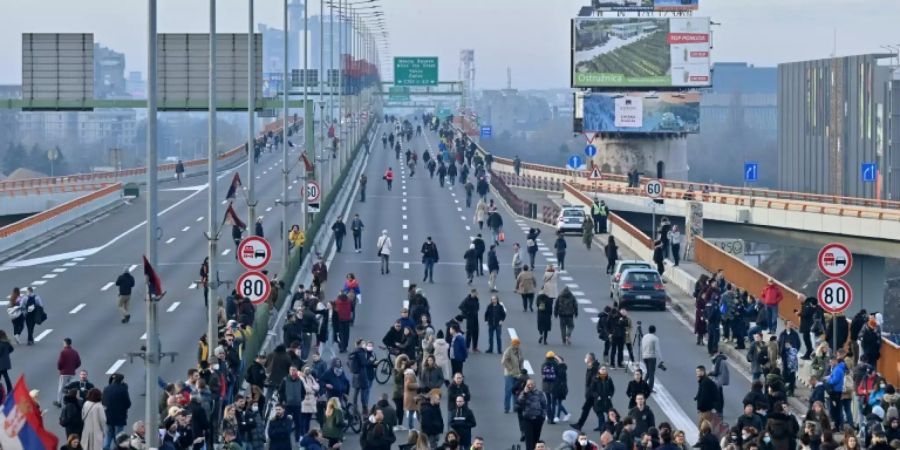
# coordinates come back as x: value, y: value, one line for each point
x: 253, y: 286
x: 835, y: 295
x: 654, y: 188
x: 254, y: 253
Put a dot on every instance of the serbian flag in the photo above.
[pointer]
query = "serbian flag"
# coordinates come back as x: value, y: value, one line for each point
x: 23, y: 426
x: 235, y: 182
x: 154, y: 285
x: 308, y: 165
x: 232, y: 218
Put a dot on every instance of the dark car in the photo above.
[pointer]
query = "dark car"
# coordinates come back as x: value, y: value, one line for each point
x: 642, y: 287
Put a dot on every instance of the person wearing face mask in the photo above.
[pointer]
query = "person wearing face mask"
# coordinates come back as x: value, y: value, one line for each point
x: 251, y: 427
x: 335, y: 381
x: 376, y: 435
x: 360, y: 361
x: 583, y: 443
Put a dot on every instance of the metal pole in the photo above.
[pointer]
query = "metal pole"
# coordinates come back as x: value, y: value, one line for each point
x: 332, y: 162
x: 653, y: 226
x: 151, y: 358
x: 304, y: 148
x: 285, y: 251
x: 340, y: 94
x: 323, y: 186
x: 251, y: 121
x: 212, y: 215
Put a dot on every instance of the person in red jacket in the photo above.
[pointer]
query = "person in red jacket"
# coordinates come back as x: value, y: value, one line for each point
x: 771, y: 296
x: 68, y: 362
x: 389, y: 177
x: 343, y: 307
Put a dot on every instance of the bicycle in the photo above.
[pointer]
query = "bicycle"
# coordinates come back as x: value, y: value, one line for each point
x: 352, y: 418
x: 384, y: 367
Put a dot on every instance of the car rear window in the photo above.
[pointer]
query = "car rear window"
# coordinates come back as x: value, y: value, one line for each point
x: 572, y: 213
x: 643, y: 277
x: 625, y: 267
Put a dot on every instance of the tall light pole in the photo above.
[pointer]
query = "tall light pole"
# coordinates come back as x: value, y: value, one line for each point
x: 212, y: 214
x: 251, y: 110
x: 151, y: 358
x: 304, y: 147
x: 331, y: 163
x: 285, y: 250
x: 321, y: 153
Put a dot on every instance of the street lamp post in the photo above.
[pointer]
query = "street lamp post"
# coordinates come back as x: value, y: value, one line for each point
x: 211, y: 228
x: 285, y: 249
x: 151, y: 358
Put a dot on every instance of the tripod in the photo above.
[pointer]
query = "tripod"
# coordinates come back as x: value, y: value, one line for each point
x: 636, y: 344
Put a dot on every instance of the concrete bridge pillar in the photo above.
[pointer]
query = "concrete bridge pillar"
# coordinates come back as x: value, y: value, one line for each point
x: 648, y: 155
x: 867, y: 279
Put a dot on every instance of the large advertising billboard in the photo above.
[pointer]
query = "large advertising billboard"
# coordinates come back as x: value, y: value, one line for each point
x: 638, y: 112
x: 645, y: 5
x: 640, y: 52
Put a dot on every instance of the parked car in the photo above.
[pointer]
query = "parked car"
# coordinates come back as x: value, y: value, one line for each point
x: 570, y: 218
x: 621, y: 266
x: 641, y: 287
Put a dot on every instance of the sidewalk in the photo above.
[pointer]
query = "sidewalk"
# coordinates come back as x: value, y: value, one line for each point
x: 683, y: 277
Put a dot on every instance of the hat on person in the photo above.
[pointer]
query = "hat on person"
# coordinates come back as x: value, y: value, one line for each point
x: 515, y: 342
x: 569, y: 436
x: 550, y: 354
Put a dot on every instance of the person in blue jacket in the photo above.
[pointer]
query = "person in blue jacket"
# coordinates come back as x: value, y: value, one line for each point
x: 458, y: 350
x: 335, y: 380
x: 836, y: 390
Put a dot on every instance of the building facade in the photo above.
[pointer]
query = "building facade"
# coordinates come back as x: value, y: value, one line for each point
x: 834, y: 118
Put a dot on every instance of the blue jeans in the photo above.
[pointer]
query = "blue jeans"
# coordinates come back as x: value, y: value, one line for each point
x: 111, y: 432
x: 509, y: 383
x: 772, y: 317
x: 560, y: 408
x: 551, y: 407
x: 429, y: 269
x: 361, y: 394
x: 494, y: 331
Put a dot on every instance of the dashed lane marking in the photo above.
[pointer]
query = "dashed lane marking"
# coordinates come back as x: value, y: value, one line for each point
x: 577, y: 293
x: 468, y: 228
x: 404, y: 217
x: 566, y: 278
x: 77, y: 259
x: 462, y: 217
x: 405, y: 249
x: 192, y: 286
x: 268, y: 209
x: 173, y: 307
x: 583, y: 301
x: 43, y: 334
x: 107, y: 286
x: 115, y: 367
x: 38, y: 282
x: 527, y: 366
x: 404, y: 200
x: 403, y: 208
x: 458, y: 209
x: 77, y: 308
x: 200, y: 219
x: 170, y: 240
x: 144, y: 337
x: 547, y: 254
x: 405, y: 237
x: 406, y: 283
x: 60, y: 269
x: 406, y: 265
x: 573, y: 286
x: 226, y: 251
x: 49, y: 276
x: 133, y: 266
x: 404, y: 226
x: 225, y: 202
x: 591, y: 310
x: 185, y: 229
x: 70, y: 264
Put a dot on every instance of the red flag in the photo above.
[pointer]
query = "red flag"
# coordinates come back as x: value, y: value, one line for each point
x: 23, y: 426
x: 232, y: 218
x: 154, y: 285
x: 235, y: 182
x: 309, y: 166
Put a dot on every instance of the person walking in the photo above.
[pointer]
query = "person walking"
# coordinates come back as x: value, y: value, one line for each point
x: 707, y: 395
x: 94, y: 418
x: 560, y: 246
x: 533, y: 406
x: 591, y: 371
x: 258, y: 227
x: 651, y: 354
x: 548, y: 384
x: 516, y: 261
x: 550, y: 281
x: 587, y: 232
x: 493, y: 265
x: 513, y: 363
x: 480, y: 213
x: 479, y: 254
x: 525, y: 286
x: 531, y: 244
x: 388, y: 177
x: 494, y: 315
x: 471, y: 263
x: 356, y: 227
x: 469, y: 307
x: 470, y: 189
x: 482, y: 187
x: 612, y: 254
x: 339, y: 230
x: 16, y: 313
x: 67, y: 363
x: 116, y: 401
x: 125, y: 283
x: 675, y: 238
x: 544, y: 316
x: 659, y: 256
x: 429, y: 259
x: 495, y: 223
x: 33, y: 308
x: 384, y: 251
x: 566, y: 310
x: 363, y: 180
x: 6, y: 349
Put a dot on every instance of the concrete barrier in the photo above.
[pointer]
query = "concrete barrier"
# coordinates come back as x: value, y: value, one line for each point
x: 42, y: 223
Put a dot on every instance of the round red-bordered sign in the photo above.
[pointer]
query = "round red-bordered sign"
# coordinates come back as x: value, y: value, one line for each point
x: 254, y: 252
x: 253, y: 286
x: 835, y: 260
x: 654, y: 188
x: 835, y: 295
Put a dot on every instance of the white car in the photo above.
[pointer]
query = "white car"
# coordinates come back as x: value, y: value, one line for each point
x: 570, y: 218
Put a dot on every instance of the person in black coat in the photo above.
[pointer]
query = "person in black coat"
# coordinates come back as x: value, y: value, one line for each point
x: 544, y: 306
x: 70, y: 415
x: 5, y: 363
x: 279, y: 430
x: 469, y: 308
x: 471, y: 258
x: 494, y: 315
x: 340, y: 230
x: 809, y: 314
x: 432, y: 418
x: 479, y: 254
x: 116, y: 401
x: 707, y: 393
x: 462, y: 421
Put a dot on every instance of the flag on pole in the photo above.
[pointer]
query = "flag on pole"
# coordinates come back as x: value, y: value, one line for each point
x: 23, y: 426
x: 235, y: 182
x: 154, y: 284
x: 309, y: 166
x: 232, y: 218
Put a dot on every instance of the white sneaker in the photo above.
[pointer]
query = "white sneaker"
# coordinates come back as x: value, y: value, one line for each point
x: 16, y: 337
x: 566, y: 417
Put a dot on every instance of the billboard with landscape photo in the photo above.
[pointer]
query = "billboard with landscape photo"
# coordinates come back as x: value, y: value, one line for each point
x: 640, y: 52
x: 639, y: 112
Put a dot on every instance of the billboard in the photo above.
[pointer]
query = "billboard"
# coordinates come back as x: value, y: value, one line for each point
x: 640, y: 52
x: 645, y: 5
x: 638, y: 112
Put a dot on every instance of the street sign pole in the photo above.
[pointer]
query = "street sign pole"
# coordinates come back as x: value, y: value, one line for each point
x: 211, y: 225
x: 285, y: 250
x: 151, y: 358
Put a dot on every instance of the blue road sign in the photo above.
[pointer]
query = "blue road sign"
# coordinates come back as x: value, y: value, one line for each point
x: 590, y: 150
x: 869, y: 172
x: 486, y: 131
x: 751, y: 171
x: 575, y: 162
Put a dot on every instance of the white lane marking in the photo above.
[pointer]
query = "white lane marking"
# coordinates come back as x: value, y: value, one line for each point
x: 520, y: 221
x: 403, y: 208
x: 49, y: 276
x: 268, y: 209
x: 70, y: 264
x: 38, y: 283
x: 405, y: 249
x: 192, y: 286
x: 458, y: 209
x: 404, y: 200
x: 225, y: 202
x: 173, y: 306
x: 226, y: 251
x: 77, y: 308
x: 406, y: 265
x: 512, y: 333
x: 551, y: 260
x: 566, y: 278
x: 456, y: 201
x: 144, y: 337
x: 547, y: 254
x: 170, y: 240
x: 577, y: 293
x: 462, y: 217
x: 404, y: 192
x: 404, y: 217
x: 404, y: 226
x: 107, y: 286
x: 405, y: 237
x: 185, y: 229
x: 591, y: 310
x: 674, y: 412
x: 527, y: 366
x: 468, y: 228
x: 406, y: 283
x: 597, y: 319
x: 77, y: 259
x: 115, y: 367
x: 4, y: 302
x: 583, y: 301
x: 200, y: 219
x: 573, y: 286
x: 133, y: 266
x: 43, y: 334
x: 60, y: 269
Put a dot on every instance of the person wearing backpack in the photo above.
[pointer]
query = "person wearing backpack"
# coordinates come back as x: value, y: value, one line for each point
x: 566, y: 310
x: 603, y: 330
x: 34, y: 313
x: 548, y: 384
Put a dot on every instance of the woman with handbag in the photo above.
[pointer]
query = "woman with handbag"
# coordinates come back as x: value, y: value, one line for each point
x: 15, y: 312
x: 34, y: 313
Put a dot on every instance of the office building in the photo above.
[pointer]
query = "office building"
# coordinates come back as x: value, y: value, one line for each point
x: 109, y: 73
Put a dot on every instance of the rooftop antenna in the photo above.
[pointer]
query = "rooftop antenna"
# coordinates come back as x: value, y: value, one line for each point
x: 508, y: 78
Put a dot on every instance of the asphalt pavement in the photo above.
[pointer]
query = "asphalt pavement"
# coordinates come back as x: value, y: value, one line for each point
x: 416, y: 208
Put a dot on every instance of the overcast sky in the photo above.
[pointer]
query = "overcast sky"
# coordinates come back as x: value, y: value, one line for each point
x: 529, y: 36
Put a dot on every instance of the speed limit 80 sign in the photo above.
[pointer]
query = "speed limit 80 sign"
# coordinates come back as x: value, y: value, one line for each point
x: 253, y: 286
x: 835, y: 295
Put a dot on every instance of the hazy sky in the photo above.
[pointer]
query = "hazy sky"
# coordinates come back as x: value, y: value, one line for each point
x: 530, y: 36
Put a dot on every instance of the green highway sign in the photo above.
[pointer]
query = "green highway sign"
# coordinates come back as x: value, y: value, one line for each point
x: 398, y: 94
x: 415, y: 71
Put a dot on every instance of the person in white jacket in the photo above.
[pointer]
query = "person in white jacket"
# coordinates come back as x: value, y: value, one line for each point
x: 384, y: 251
